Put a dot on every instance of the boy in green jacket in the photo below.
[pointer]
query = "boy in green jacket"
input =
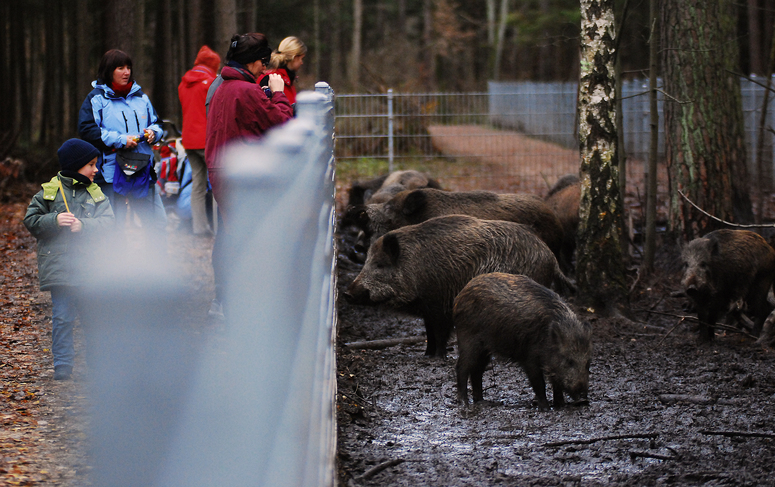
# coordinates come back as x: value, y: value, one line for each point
x: 64, y: 217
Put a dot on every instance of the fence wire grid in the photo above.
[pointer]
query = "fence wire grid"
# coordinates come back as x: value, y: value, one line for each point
x: 517, y: 136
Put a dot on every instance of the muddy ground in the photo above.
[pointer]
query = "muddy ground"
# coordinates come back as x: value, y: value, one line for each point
x: 662, y: 409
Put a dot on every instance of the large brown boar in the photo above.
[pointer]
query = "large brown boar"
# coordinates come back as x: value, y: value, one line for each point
x: 514, y: 317
x: 564, y: 199
x: 419, y: 205
x: 424, y: 266
x: 723, y: 267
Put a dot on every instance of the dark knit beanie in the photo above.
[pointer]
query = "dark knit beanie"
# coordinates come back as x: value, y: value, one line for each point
x: 76, y: 153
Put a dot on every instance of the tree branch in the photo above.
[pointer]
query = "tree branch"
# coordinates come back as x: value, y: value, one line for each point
x: 738, y: 225
x: 589, y: 441
x: 378, y: 468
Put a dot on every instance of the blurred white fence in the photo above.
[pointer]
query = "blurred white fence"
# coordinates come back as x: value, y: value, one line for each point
x: 254, y: 404
x: 402, y: 127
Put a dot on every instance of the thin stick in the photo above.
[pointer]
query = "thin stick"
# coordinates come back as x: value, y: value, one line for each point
x: 378, y: 468
x: 603, y: 438
x: 62, y: 190
x: 719, y: 326
x: 636, y: 453
x: 671, y: 331
x: 380, y: 344
x: 750, y: 434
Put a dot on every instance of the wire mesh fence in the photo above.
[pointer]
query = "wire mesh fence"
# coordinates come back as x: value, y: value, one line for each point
x: 518, y: 136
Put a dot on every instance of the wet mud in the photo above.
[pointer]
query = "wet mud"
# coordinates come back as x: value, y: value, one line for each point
x: 663, y: 410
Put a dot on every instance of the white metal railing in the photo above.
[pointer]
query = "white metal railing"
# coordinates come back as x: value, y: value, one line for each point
x: 253, y: 404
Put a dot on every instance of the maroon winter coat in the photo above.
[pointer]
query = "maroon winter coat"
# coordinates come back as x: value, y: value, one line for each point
x: 241, y: 110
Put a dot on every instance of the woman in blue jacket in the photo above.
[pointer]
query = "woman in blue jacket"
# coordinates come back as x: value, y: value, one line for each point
x: 119, y: 120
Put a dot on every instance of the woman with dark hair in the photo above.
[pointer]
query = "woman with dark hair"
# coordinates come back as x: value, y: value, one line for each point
x: 118, y: 119
x: 240, y: 111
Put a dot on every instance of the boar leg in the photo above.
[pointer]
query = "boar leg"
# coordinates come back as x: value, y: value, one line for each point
x: 463, y: 372
x: 707, y: 316
x: 757, y: 302
x: 437, y: 331
x: 477, y: 372
x: 536, y: 377
x: 558, y: 391
x: 430, y: 336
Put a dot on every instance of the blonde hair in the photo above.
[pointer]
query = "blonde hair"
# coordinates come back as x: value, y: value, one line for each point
x: 289, y: 48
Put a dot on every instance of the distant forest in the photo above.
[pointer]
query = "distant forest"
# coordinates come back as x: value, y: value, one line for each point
x: 50, y: 49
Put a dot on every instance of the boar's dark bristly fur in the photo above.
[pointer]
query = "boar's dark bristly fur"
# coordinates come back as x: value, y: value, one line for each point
x: 564, y: 199
x: 419, y: 205
x: 424, y: 266
x: 514, y: 317
x: 725, y: 266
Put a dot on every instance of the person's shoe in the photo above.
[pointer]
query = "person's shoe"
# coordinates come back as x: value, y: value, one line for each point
x: 63, y: 372
x: 216, y: 310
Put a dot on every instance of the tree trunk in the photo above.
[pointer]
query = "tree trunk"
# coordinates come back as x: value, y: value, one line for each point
x: 704, y: 139
x: 428, y: 52
x: 354, y: 65
x: 649, y: 246
x: 599, y: 257
x: 335, y: 75
x: 754, y: 38
x: 504, y: 14
x: 119, y: 26
x: 225, y: 25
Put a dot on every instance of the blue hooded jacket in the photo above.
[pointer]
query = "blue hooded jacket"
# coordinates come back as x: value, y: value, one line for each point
x: 106, y: 119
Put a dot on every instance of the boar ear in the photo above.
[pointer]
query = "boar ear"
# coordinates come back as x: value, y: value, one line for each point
x: 414, y: 202
x: 714, y: 247
x: 391, y: 247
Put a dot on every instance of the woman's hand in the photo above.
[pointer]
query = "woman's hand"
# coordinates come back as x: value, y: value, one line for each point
x: 276, y: 82
x: 131, y: 141
x: 150, y: 135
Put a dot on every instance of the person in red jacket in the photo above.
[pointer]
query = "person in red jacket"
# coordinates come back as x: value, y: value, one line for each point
x: 240, y: 112
x: 286, y: 61
x: 192, y: 92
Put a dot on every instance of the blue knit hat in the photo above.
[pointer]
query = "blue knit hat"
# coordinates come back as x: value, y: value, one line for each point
x: 76, y: 153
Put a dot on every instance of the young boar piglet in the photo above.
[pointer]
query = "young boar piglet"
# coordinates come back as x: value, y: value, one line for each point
x: 514, y: 317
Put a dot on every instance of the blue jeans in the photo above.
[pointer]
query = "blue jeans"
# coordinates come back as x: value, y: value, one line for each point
x: 64, y: 312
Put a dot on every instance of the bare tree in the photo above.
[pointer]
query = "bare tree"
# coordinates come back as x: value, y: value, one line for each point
x: 599, y: 255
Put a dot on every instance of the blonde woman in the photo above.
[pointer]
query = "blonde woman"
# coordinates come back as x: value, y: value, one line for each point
x: 286, y: 61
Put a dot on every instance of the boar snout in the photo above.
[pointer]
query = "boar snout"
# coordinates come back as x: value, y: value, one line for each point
x: 357, y: 294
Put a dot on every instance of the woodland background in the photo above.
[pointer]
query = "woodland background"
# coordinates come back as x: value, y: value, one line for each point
x: 50, y: 49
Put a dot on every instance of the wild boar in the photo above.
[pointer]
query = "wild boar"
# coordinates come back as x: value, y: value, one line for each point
x: 723, y: 267
x: 564, y: 199
x: 514, y: 317
x: 424, y: 266
x: 419, y: 205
